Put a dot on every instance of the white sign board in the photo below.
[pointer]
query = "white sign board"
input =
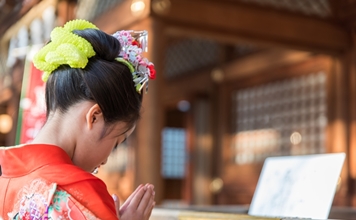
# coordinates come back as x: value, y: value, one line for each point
x: 297, y: 186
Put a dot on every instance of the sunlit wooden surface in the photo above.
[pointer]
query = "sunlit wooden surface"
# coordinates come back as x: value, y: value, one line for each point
x: 171, y: 214
x: 231, y: 212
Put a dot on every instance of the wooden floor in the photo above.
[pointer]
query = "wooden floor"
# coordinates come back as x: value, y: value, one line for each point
x: 171, y: 214
x: 231, y: 212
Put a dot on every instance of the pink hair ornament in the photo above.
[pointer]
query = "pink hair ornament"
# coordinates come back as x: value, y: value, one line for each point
x: 133, y: 44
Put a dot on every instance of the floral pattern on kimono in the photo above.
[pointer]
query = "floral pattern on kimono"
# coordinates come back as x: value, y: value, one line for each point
x: 42, y: 200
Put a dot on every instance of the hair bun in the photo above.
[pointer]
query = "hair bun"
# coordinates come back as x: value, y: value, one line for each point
x: 105, y: 46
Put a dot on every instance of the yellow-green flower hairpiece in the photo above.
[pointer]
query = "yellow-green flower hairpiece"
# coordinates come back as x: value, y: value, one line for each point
x: 65, y: 48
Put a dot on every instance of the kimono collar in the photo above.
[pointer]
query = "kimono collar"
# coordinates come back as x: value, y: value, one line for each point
x: 24, y: 159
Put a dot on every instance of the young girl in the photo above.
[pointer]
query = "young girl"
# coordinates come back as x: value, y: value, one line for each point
x: 94, y: 87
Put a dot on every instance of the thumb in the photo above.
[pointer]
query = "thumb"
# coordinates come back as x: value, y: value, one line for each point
x: 117, y: 204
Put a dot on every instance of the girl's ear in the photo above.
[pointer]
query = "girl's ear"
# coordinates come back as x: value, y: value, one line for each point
x: 93, y: 115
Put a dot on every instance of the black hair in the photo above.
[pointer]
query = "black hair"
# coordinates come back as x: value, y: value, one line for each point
x: 105, y: 81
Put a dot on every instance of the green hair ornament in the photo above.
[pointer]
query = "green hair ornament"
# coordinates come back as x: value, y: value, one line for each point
x: 65, y: 47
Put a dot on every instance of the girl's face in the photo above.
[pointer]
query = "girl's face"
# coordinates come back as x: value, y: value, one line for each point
x: 114, y: 136
x: 97, y: 140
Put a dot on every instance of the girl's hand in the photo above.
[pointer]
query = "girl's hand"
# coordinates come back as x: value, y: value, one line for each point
x: 139, y: 205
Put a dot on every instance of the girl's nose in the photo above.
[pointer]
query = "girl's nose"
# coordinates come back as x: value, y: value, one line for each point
x: 104, y: 162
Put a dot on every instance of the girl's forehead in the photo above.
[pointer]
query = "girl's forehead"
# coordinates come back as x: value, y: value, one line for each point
x: 121, y: 128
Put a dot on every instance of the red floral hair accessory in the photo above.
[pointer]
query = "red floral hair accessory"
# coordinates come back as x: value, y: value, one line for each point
x: 133, y: 43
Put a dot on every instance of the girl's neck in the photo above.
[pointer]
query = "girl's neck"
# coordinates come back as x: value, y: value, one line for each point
x: 57, y: 131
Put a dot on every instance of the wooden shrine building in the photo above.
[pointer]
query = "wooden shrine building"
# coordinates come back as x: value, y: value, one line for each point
x: 237, y: 81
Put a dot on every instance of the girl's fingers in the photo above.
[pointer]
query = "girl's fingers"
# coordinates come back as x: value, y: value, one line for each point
x: 151, y: 203
x: 140, y: 203
x: 150, y: 211
x: 128, y: 200
x: 149, y: 207
x: 146, y: 200
x: 136, y: 200
x: 133, y: 194
x: 117, y: 204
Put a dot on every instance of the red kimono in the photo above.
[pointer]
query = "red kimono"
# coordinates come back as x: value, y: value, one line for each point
x: 40, y: 181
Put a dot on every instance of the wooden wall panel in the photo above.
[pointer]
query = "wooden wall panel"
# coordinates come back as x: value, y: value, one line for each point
x: 239, y: 181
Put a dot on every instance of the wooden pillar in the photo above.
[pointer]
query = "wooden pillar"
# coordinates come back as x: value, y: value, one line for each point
x: 202, y: 152
x: 149, y: 128
x: 351, y: 96
x: 14, y: 102
x: 337, y: 130
x: 65, y: 11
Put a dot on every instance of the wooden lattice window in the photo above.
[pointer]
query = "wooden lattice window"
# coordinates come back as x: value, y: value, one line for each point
x: 287, y: 117
x: 188, y: 55
x: 173, y: 153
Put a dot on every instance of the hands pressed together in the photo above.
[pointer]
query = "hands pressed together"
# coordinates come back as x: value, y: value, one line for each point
x: 139, y: 205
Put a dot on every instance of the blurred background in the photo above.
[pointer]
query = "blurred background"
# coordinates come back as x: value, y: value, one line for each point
x: 237, y: 81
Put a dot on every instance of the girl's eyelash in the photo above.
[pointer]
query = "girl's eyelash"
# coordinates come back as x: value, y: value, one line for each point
x: 117, y: 144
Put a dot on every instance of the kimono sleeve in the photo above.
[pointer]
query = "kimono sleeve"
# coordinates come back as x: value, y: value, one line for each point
x: 92, y: 194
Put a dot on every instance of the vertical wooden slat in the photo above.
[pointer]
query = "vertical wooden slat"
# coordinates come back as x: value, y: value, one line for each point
x: 223, y: 133
x: 188, y: 182
x: 65, y: 12
x: 352, y: 119
x: 337, y: 130
x: 13, y: 103
x: 202, y: 153
x: 148, y: 131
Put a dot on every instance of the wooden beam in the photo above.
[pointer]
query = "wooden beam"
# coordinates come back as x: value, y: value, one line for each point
x: 35, y: 12
x: 231, y: 20
x: 121, y: 16
x: 256, y: 63
x: 251, y: 65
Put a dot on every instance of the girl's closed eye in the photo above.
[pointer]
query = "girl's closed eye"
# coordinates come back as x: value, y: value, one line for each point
x: 117, y: 144
x: 115, y: 147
